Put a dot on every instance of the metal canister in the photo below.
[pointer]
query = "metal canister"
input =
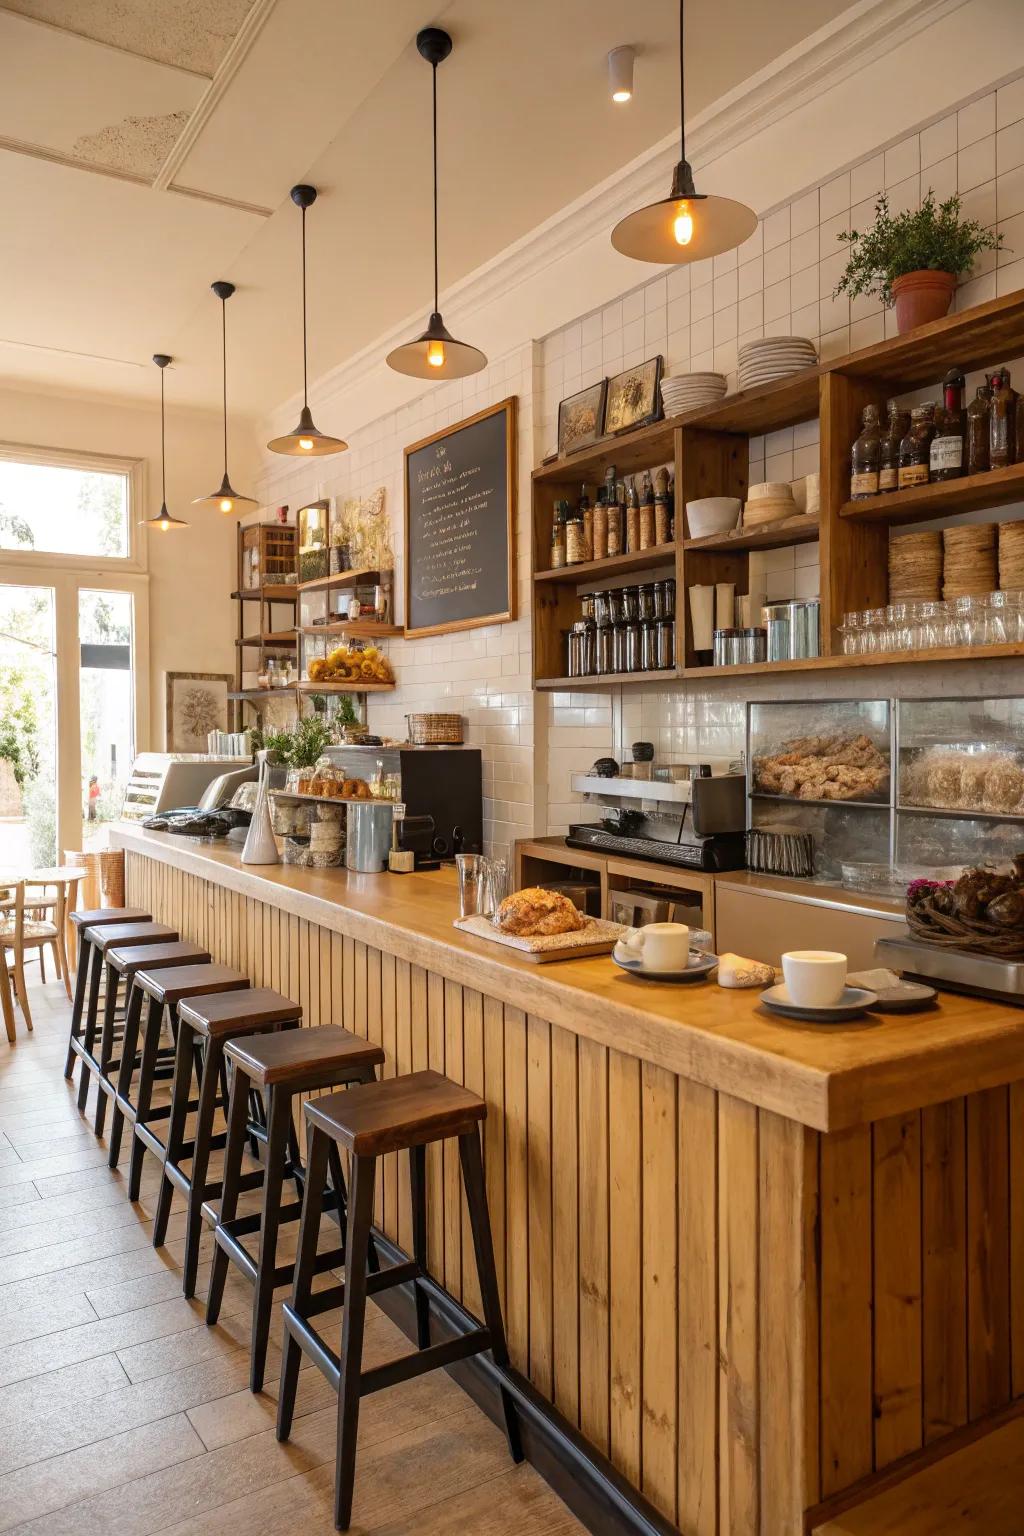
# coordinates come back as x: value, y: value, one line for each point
x: 368, y: 835
x: 725, y: 647
x: 775, y: 617
x: 752, y: 645
x: 805, y: 628
x: 665, y: 643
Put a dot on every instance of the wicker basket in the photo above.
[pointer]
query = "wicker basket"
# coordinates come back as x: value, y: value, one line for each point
x: 435, y: 730
x: 953, y: 932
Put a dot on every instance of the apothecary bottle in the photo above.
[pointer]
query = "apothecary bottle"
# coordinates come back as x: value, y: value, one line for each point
x: 575, y: 539
x: 889, y: 447
x: 864, y: 457
x: 946, y: 453
x: 977, y: 431
x: 600, y: 526
x: 558, y: 535
x: 1001, y: 421
x: 915, y: 449
x: 632, y: 520
x: 586, y: 512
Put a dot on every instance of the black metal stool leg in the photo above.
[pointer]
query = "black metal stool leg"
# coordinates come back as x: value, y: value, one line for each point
x: 238, y: 1105
x: 418, y: 1196
x: 476, y: 1200
x: 91, y: 1021
x: 360, y: 1216
x: 279, y: 1121
x: 180, y: 1090
x: 106, y: 1049
x: 208, y: 1096
x: 302, y: 1284
x: 150, y: 1046
x: 78, y: 1006
x: 129, y: 1047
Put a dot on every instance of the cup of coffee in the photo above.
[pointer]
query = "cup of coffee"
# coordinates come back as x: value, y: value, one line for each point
x: 815, y: 978
x: 661, y: 946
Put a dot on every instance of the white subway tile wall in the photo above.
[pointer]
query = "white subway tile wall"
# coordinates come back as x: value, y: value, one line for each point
x: 779, y: 282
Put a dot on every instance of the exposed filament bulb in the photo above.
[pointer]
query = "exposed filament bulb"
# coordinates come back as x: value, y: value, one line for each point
x: 682, y: 228
x: 435, y: 354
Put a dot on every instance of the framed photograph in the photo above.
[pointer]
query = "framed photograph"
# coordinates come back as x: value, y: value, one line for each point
x: 634, y: 398
x: 197, y: 703
x: 581, y: 419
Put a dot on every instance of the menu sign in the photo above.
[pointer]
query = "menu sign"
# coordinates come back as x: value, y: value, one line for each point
x: 460, y: 512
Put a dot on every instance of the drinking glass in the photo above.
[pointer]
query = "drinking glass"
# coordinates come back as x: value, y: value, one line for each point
x: 474, y: 885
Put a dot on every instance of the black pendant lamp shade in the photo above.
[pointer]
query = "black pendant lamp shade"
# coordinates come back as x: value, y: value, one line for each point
x: 226, y: 499
x: 163, y: 519
x: 307, y: 441
x: 687, y: 225
x: 435, y: 353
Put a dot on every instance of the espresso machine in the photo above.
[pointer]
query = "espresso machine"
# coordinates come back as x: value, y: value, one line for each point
x: 440, y: 787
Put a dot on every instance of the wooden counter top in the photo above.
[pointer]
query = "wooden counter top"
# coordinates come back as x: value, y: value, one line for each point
x: 827, y: 1077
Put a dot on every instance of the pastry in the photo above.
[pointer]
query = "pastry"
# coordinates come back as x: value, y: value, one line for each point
x: 735, y: 971
x: 535, y: 913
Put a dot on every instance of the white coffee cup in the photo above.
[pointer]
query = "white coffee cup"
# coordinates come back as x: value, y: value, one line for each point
x: 815, y: 978
x: 661, y: 946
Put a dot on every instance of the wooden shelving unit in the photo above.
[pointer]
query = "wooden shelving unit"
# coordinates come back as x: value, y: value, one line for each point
x: 353, y: 687
x: 266, y: 553
x: 709, y: 449
x: 359, y: 629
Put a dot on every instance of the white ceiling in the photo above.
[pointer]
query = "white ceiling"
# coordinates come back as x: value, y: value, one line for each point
x: 147, y: 150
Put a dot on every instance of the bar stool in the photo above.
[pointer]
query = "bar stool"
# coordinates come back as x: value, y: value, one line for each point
x: 205, y: 1025
x: 102, y: 939
x: 164, y: 978
x: 400, y: 1114
x: 96, y: 917
x: 279, y: 1066
x: 123, y: 965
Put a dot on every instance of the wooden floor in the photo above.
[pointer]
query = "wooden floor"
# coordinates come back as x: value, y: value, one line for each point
x: 121, y: 1413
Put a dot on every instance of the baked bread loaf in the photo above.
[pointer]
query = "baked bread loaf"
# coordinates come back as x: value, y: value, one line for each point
x: 535, y: 913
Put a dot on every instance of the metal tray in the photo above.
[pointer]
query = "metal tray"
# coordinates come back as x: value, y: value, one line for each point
x: 955, y: 969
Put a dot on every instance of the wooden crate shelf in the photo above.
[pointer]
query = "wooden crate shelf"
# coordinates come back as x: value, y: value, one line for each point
x: 639, y: 560
x: 791, y: 530
x: 946, y: 498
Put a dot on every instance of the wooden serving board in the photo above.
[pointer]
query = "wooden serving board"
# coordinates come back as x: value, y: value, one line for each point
x: 597, y: 938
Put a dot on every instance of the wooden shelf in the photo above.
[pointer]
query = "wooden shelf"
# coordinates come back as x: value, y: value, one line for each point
x: 753, y: 411
x: 945, y: 498
x: 342, y: 579
x: 271, y: 641
x: 944, y: 655
x: 606, y: 680
x: 360, y: 629
x: 657, y: 556
x: 271, y: 593
x: 354, y: 687
x: 791, y: 530
x: 643, y: 448
x: 251, y: 695
x: 988, y: 333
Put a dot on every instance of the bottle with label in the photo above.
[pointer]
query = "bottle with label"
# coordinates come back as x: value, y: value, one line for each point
x: 600, y: 530
x: 889, y: 447
x: 614, y: 512
x: 1000, y: 422
x: 632, y: 519
x: 864, y: 457
x: 586, y: 511
x: 575, y: 539
x: 977, y: 431
x: 662, y: 508
x: 558, y: 535
x: 647, y: 523
x: 946, y: 454
x: 915, y: 449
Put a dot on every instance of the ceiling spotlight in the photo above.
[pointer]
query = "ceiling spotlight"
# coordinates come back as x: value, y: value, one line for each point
x: 620, y: 73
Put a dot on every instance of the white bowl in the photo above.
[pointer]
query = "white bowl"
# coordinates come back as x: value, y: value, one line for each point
x: 712, y: 514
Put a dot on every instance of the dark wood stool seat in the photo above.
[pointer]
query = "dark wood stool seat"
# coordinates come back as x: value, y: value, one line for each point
x: 164, y: 975
x: 205, y: 1025
x: 399, y: 1114
x: 281, y: 1066
x: 93, y: 917
x: 95, y: 1047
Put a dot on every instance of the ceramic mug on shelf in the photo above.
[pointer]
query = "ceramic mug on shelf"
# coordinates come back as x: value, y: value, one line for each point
x: 660, y: 946
x: 815, y: 978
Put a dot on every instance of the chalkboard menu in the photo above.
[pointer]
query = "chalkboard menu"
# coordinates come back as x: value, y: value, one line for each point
x: 460, y: 518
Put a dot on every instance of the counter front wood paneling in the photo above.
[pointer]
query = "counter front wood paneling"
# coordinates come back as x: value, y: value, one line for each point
x: 748, y: 1317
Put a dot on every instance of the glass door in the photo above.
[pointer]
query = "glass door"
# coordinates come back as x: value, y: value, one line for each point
x: 28, y: 727
x: 106, y: 695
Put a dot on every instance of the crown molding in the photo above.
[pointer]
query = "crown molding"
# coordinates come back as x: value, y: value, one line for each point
x: 816, y: 65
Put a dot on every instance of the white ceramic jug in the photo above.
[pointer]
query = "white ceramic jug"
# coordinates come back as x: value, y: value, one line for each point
x: 260, y: 847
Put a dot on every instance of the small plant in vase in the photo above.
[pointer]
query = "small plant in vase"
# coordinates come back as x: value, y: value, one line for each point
x: 913, y: 259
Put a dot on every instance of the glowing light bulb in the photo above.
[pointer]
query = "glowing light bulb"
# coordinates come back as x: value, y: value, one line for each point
x: 306, y: 443
x: 682, y: 228
x: 226, y: 504
x: 164, y: 525
x: 435, y: 354
x: 622, y: 95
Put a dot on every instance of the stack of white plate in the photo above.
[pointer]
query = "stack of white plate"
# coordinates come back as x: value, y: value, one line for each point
x: 687, y: 391
x: 774, y: 357
x: 768, y: 503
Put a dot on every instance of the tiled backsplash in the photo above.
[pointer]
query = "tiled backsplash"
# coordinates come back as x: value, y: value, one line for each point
x: 780, y: 282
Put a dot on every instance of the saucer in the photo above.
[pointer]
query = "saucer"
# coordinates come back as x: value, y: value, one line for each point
x: 853, y: 1001
x: 700, y: 966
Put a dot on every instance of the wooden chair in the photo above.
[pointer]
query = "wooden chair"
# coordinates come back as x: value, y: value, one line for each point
x: 26, y: 937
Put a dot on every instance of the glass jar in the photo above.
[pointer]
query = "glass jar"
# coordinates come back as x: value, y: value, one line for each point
x: 648, y: 530
x: 645, y: 601
x: 631, y: 644
x: 666, y: 643
x: 977, y: 431
x: 605, y: 648
x: 648, y: 645
x: 601, y: 609
x: 575, y: 539
x: 864, y: 457
x: 915, y: 449
x: 630, y: 602
x: 582, y: 653
x: 889, y: 447
x: 615, y: 605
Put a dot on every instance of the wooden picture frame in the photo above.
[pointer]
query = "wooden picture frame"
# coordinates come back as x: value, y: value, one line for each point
x: 573, y: 412
x: 622, y: 413
x: 433, y: 457
x: 211, y: 714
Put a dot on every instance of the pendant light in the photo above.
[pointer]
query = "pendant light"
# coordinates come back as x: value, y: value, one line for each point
x: 163, y: 519
x: 225, y: 499
x: 436, y: 354
x: 687, y: 225
x: 307, y: 440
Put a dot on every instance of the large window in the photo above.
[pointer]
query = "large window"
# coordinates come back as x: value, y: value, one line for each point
x: 58, y: 509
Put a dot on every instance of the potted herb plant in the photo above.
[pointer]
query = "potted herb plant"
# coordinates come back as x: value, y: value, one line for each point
x: 913, y: 259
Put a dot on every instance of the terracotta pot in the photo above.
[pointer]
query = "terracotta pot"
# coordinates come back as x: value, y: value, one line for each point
x: 922, y: 297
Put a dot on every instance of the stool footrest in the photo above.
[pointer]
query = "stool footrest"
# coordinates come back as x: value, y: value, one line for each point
x: 433, y: 1358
